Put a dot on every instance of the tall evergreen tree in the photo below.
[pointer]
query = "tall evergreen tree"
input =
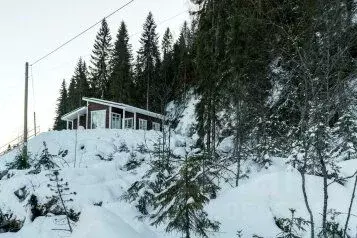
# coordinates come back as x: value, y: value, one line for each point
x: 121, y: 78
x: 211, y: 48
x: 166, y: 88
x: 72, y: 101
x: 184, y: 56
x: 149, y: 62
x: 78, y: 87
x: 61, y: 108
x: 99, y: 80
x: 81, y: 78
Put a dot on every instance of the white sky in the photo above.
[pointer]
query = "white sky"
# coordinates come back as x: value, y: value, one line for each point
x: 30, y: 29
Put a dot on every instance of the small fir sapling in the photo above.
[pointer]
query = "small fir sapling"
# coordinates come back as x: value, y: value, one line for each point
x: 290, y: 227
x: 21, y: 162
x: 142, y: 148
x: 180, y: 204
x: 45, y: 160
x: 61, y: 190
x: 333, y: 227
x: 123, y: 148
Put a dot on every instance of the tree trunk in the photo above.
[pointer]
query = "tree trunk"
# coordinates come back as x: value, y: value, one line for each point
x: 187, y: 222
x: 324, y: 211
x: 350, y: 208
x: 303, y: 186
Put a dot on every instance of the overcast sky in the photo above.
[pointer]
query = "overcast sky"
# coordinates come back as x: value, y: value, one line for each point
x: 30, y: 29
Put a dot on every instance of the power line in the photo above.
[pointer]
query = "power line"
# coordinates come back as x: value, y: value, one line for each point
x: 134, y: 34
x: 75, y: 37
x: 162, y: 22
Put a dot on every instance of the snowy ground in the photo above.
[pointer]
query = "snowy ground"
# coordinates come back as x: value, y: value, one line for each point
x: 250, y: 208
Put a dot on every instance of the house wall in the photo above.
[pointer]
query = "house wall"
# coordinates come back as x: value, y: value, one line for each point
x: 148, y: 118
x: 95, y: 107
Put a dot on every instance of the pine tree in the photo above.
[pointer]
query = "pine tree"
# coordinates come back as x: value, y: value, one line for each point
x: 72, y: 95
x: 62, y: 108
x: 166, y: 88
x: 183, y: 57
x: 121, y: 78
x: 99, y: 69
x: 78, y: 87
x: 81, y: 78
x: 181, y: 202
x: 148, y: 65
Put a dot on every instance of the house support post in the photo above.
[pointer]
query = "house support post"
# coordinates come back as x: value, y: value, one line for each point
x: 134, y: 120
x: 123, y: 121
x: 110, y: 117
x: 87, y: 115
x: 67, y: 125
x: 78, y: 117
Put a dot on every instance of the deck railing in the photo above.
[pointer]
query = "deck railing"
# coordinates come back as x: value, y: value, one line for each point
x: 18, y: 141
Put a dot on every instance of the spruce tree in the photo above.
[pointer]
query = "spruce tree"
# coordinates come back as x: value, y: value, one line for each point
x: 166, y: 88
x: 148, y: 63
x: 99, y: 70
x: 184, y: 68
x: 181, y: 203
x: 82, y: 85
x: 73, y: 96
x: 121, y: 77
x: 62, y: 108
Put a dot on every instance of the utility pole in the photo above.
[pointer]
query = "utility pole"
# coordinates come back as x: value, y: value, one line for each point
x: 34, y: 123
x: 25, y: 108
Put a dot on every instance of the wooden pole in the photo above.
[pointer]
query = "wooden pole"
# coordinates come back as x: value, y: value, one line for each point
x: 34, y: 123
x: 25, y: 107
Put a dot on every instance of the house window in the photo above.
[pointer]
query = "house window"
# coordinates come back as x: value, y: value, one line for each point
x: 156, y: 126
x: 129, y: 123
x: 116, y: 121
x: 143, y: 124
x: 98, y: 119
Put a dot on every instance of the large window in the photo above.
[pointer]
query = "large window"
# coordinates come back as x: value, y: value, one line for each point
x: 98, y: 119
x: 156, y: 126
x: 143, y: 124
x: 116, y: 121
x: 129, y: 123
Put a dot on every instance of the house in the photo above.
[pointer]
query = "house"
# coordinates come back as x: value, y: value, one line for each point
x: 112, y: 115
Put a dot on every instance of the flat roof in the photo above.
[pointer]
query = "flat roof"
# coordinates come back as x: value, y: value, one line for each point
x: 124, y: 106
x: 74, y: 114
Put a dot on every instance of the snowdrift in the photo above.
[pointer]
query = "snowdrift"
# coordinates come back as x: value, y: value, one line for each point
x: 95, y: 172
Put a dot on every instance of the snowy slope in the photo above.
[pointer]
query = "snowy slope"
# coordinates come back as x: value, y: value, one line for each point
x: 267, y: 193
x: 93, y: 179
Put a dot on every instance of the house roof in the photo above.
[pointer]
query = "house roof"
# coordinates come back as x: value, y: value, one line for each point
x: 124, y: 106
x: 74, y: 114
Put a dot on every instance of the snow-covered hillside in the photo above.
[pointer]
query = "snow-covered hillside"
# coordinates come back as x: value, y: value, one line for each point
x: 96, y: 173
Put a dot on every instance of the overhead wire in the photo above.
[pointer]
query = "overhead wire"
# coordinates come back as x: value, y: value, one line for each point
x: 166, y: 20
x: 134, y: 34
x: 81, y: 33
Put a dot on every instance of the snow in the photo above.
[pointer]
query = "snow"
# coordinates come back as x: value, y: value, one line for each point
x: 101, y: 222
x: 93, y: 180
x: 267, y: 193
x: 253, y: 206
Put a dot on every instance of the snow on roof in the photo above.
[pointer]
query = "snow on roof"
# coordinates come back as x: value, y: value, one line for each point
x: 74, y: 114
x: 123, y: 106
